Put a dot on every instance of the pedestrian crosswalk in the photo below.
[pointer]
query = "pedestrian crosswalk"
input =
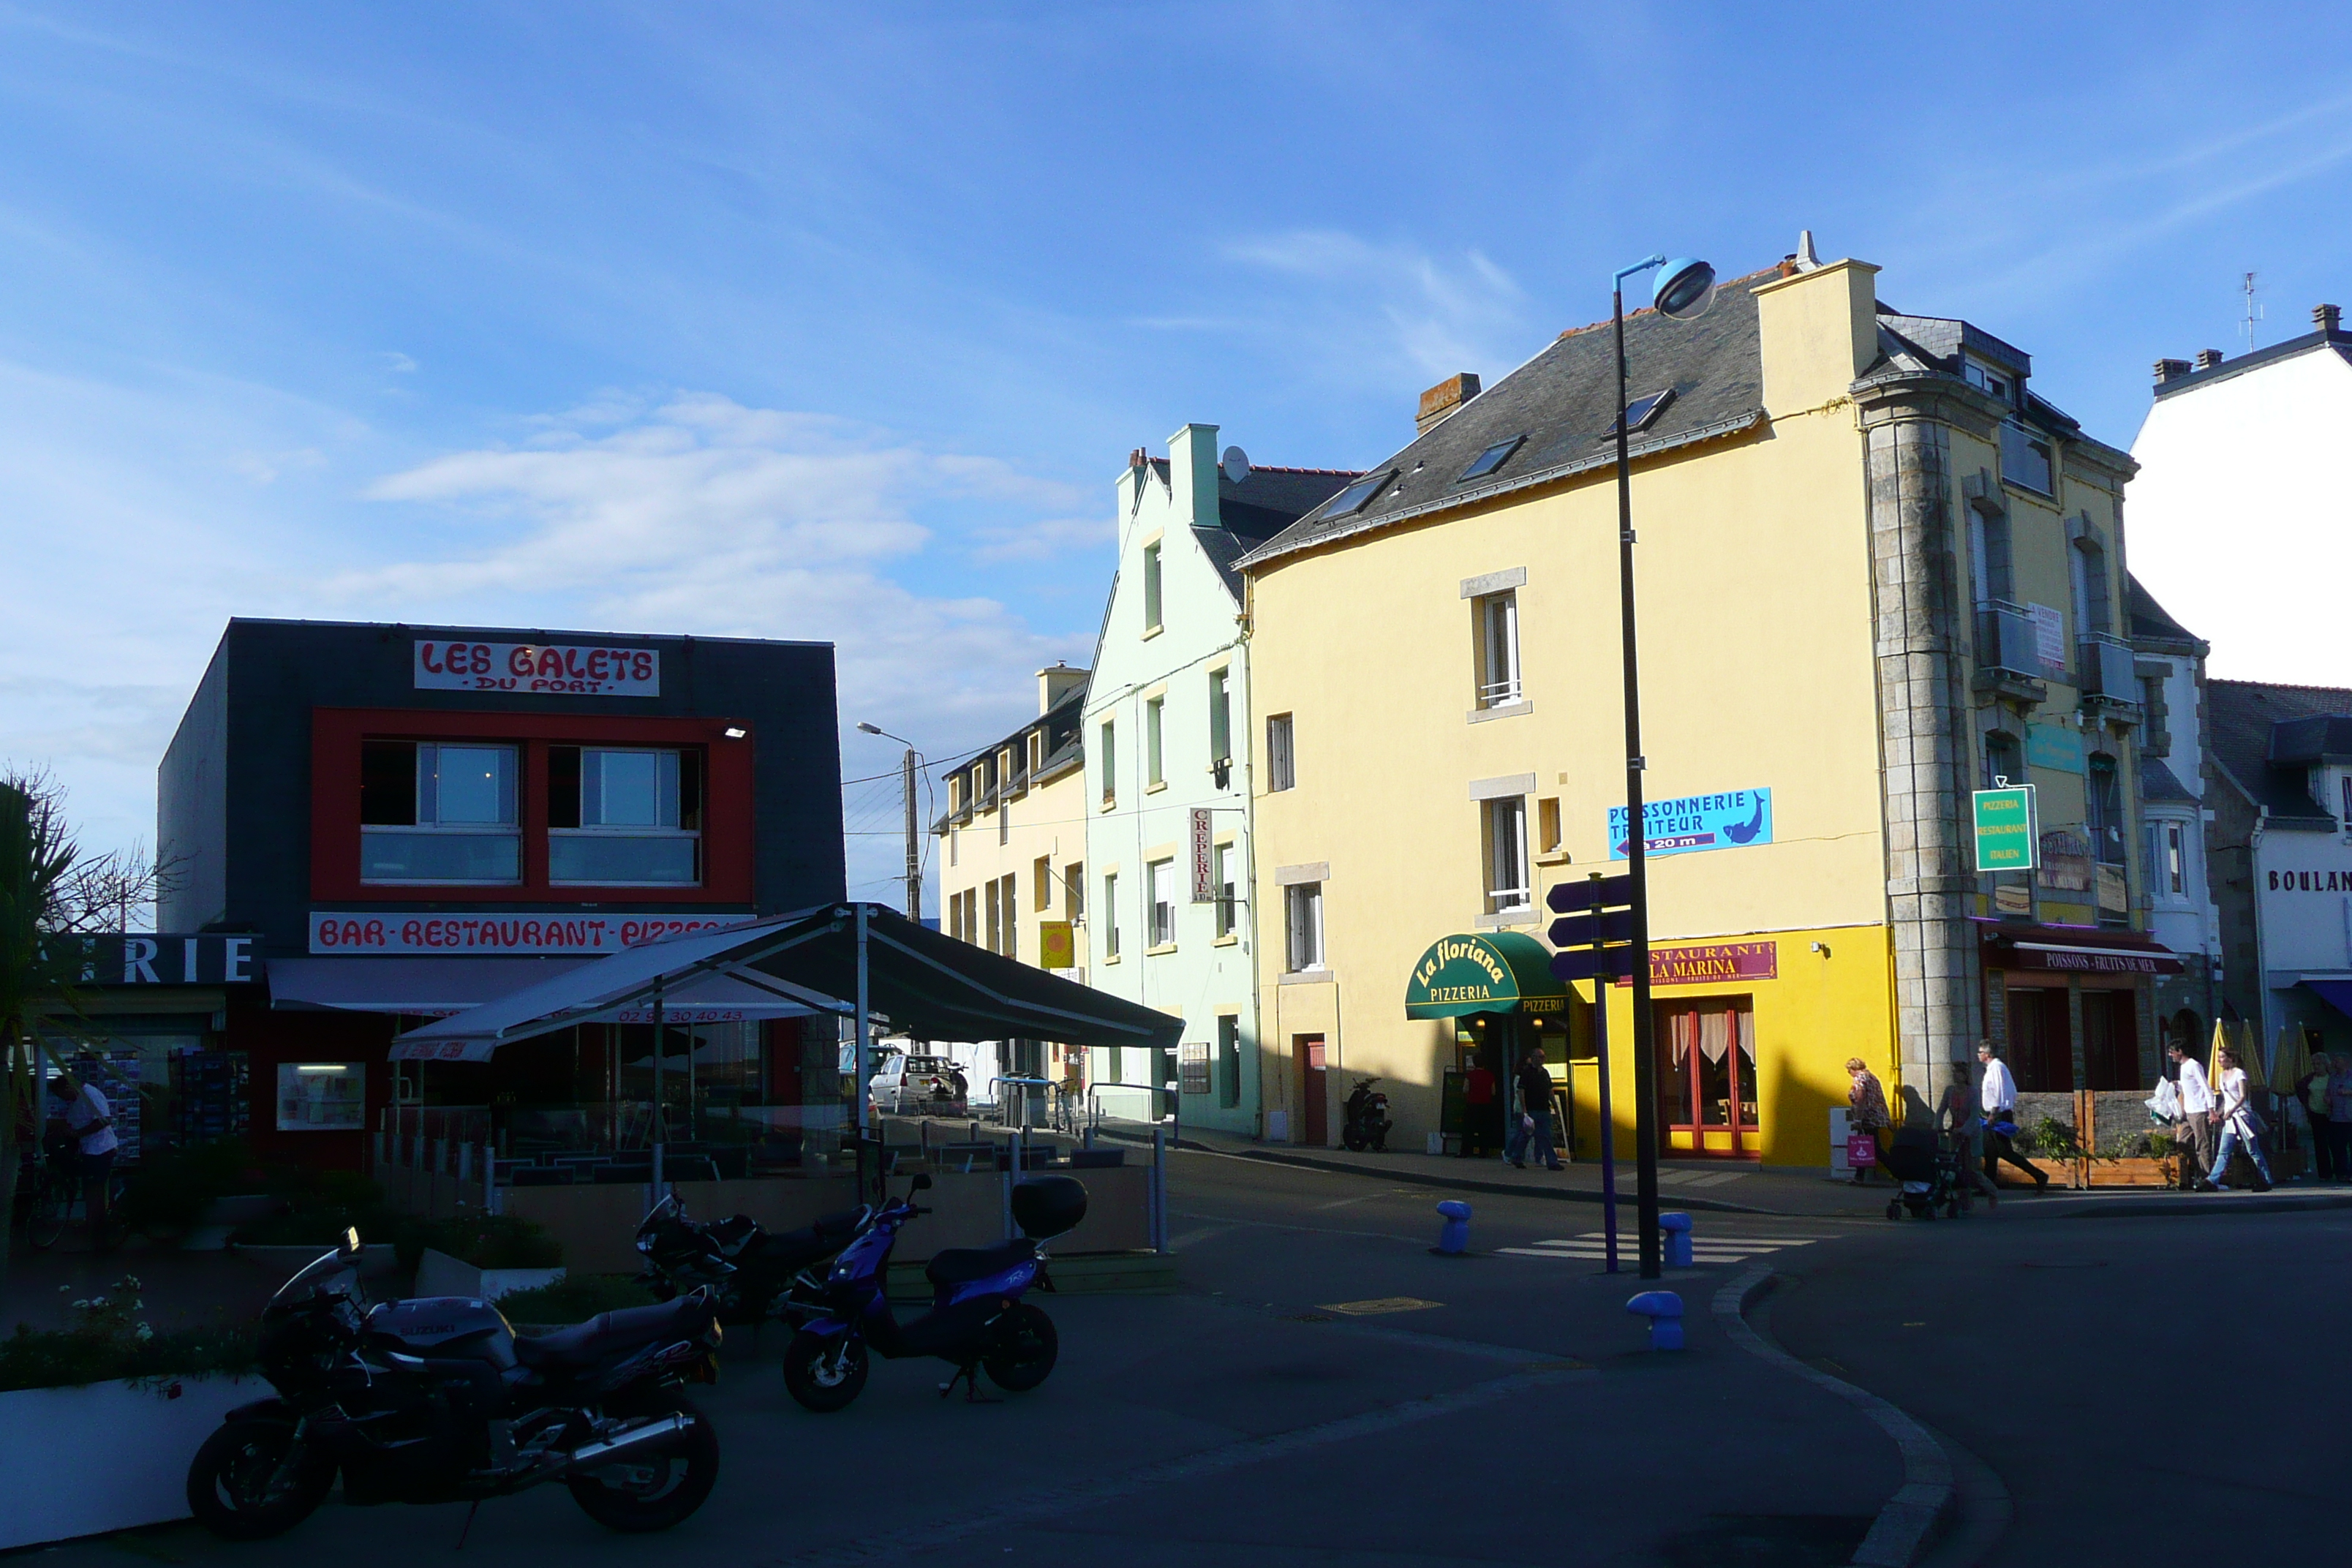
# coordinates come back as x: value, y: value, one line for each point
x: 1697, y: 1178
x: 1592, y: 1247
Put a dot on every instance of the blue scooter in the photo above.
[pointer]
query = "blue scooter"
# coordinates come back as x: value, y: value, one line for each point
x: 977, y: 1319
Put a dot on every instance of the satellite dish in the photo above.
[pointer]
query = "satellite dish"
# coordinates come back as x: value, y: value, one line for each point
x: 1236, y: 464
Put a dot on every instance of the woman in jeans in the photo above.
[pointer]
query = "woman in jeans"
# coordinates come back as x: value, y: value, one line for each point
x: 2237, y: 1123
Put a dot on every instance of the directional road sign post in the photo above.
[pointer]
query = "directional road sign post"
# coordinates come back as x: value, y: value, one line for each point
x: 1594, y: 934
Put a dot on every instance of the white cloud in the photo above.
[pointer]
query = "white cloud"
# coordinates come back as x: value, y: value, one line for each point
x: 1381, y: 303
x: 397, y: 362
x: 1043, y: 541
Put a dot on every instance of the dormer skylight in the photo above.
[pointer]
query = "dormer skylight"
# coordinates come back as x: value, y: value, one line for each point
x: 1487, y: 461
x: 1358, y: 496
x: 1642, y: 412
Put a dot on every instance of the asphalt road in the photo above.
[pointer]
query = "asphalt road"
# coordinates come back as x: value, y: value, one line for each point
x: 1323, y: 1389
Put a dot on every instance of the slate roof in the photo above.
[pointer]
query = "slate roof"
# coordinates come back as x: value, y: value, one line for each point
x: 1564, y: 402
x: 2339, y: 343
x: 1254, y: 510
x: 2151, y: 623
x: 2157, y: 782
x: 2245, y: 720
x: 1065, y: 743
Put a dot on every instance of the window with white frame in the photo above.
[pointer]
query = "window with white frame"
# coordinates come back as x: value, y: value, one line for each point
x: 1109, y: 750
x: 1302, y: 907
x: 1220, y: 717
x: 1281, y: 768
x: 1151, y: 587
x: 438, y: 814
x: 1509, y: 886
x: 1073, y: 890
x: 1498, y: 649
x: 1223, y: 872
x: 2176, y: 859
x: 1110, y: 920
x: 1155, y: 713
x: 1159, y: 893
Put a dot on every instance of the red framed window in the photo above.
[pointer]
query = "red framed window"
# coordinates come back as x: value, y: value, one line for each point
x: 492, y: 807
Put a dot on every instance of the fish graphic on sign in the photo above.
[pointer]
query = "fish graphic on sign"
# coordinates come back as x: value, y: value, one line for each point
x: 1729, y: 819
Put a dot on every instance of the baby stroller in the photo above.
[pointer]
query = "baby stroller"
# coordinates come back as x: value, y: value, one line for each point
x: 1931, y: 1174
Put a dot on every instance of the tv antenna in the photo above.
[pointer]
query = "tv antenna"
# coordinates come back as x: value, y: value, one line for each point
x: 2253, y: 313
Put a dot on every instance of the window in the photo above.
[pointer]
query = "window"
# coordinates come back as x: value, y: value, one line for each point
x: 1109, y: 749
x: 1302, y: 905
x: 1008, y: 894
x: 1110, y: 916
x: 2024, y: 461
x: 1154, y: 768
x: 1281, y: 771
x: 431, y: 813
x: 2001, y: 386
x: 2105, y: 803
x: 321, y: 1096
x: 1036, y: 750
x: 1073, y: 890
x: 2345, y: 821
x: 2003, y: 762
x: 1498, y: 648
x: 1041, y: 877
x: 1506, y: 854
x: 953, y: 836
x: 956, y: 792
x: 1358, y: 496
x: 1988, y: 556
x: 1487, y: 461
x: 1229, y: 1060
x: 1160, y: 892
x: 1642, y: 412
x: 2092, y: 605
x: 995, y: 916
x: 1220, y: 717
x: 623, y: 818
x: 2176, y: 859
x: 1548, y: 839
x: 1222, y: 863
x: 1151, y: 587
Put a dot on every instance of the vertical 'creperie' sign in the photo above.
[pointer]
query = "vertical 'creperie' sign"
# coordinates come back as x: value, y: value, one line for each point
x: 573, y: 670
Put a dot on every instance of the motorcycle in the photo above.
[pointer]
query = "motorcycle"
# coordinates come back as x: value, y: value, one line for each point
x: 436, y: 1400
x: 977, y: 1319
x: 1367, y: 1124
x: 750, y: 1273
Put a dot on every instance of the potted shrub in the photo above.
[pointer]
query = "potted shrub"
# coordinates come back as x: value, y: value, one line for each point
x: 482, y: 1254
x: 313, y: 1216
x: 99, y: 1419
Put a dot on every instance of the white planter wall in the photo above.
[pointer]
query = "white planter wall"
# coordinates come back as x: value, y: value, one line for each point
x: 438, y: 1274
x: 110, y: 1456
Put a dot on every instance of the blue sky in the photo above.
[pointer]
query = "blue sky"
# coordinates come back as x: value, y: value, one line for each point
x: 838, y: 322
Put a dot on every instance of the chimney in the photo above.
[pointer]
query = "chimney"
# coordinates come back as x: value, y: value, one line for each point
x: 2170, y: 370
x: 1055, y: 684
x: 1442, y: 399
x: 2208, y: 358
x: 2326, y: 318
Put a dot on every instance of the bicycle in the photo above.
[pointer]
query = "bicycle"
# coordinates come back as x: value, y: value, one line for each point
x: 56, y: 1187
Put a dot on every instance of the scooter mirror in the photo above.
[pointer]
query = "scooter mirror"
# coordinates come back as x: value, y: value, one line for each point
x: 921, y: 1184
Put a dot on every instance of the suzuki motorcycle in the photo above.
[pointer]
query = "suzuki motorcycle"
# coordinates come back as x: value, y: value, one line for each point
x: 1367, y: 1121
x: 977, y: 1318
x: 437, y: 1400
x: 750, y: 1274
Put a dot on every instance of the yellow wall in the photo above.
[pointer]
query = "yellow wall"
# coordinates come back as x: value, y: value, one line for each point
x: 1047, y: 820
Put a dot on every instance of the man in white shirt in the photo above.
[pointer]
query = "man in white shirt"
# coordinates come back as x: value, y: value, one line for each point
x: 91, y: 1121
x: 2196, y: 1115
x: 1998, y: 1094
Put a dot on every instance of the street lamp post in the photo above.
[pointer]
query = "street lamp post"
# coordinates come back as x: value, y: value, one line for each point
x: 1685, y: 289
x: 914, y: 850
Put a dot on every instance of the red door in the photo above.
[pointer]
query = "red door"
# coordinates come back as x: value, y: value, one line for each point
x: 1314, y: 1119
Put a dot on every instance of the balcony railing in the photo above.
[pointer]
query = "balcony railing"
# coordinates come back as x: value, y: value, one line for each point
x: 1497, y: 693
x: 2007, y: 639
x: 2104, y: 665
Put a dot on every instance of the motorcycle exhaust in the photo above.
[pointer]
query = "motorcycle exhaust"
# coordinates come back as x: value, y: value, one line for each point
x: 636, y: 1443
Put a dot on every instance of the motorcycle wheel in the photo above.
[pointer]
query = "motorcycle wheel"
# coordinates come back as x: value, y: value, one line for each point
x: 639, y: 1495
x: 1354, y: 1139
x: 1026, y: 1349
x: 824, y: 1372
x: 229, y: 1481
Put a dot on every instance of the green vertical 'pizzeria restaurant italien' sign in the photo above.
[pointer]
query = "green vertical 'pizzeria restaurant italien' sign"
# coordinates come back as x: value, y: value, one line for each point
x: 1493, y: 972
x: 2006, y: 839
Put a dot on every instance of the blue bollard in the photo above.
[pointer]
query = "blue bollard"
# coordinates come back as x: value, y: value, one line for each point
x: 1664, y: 1311
x: 1453, y: 1238
x: 1677, y: 1240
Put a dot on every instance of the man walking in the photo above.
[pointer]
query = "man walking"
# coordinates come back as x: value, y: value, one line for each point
x: 2196, y: 1118
x: 1997, y: 1095
x: 1534, y: 1126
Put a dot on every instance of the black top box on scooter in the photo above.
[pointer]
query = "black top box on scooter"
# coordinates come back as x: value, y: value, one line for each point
x: 1048, y: 1206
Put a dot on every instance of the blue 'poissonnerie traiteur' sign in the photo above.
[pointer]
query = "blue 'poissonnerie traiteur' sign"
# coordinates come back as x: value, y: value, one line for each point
x: 1731, y: 819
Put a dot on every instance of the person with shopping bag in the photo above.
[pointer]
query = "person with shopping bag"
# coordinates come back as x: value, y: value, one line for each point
x: 2239, y: 1124
x: 1996, y: 1093
x: 1866, y: 1118
x: 2195, y: 1117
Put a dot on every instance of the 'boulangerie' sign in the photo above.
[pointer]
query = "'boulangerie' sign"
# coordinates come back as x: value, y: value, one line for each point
x: 575, y: 669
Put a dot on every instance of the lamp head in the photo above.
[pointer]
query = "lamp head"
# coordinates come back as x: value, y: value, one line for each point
x: 870, y: 729
x: 1686, y: 288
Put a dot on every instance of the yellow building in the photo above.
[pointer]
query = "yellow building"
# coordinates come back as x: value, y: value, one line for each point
x: 1012, y: 852
x: 1873, y: 571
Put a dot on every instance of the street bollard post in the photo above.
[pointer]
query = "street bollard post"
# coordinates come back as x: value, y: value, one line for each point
x: 1677, y: 1229
x: 1454, y: 1237
x: 1664, y: 1311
